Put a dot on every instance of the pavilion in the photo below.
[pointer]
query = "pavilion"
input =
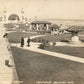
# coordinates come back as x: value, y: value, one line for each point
x: 74, y: 34
x: 40, y: 25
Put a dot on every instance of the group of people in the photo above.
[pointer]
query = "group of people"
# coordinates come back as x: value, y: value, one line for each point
x: 22, y: 42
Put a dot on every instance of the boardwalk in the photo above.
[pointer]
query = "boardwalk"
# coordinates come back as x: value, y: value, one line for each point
x: 6, y: 73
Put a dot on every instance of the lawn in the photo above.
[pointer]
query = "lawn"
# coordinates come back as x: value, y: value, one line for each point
x: 54, y: 38
x: 32, y: 67
x: 12, y: 29
x: 74, y: 51
x: 15, y: 37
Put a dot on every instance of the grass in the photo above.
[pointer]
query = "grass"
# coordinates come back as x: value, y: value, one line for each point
x: 32, y: 67
x: 74, y: 51
x: 54, y: 38
x: 15, y: 37
x: 81, y: 33
x: 11, y: 29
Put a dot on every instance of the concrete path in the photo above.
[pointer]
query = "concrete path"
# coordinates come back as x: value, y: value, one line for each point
x: 32, y: 37
x: 6, y: 73
x: 34, y: 47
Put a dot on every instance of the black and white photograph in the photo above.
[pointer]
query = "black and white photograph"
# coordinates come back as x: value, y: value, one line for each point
x: 41, y: 41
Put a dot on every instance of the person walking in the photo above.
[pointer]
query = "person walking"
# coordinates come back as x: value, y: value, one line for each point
x: 28, y: 41
x: 22, y: 42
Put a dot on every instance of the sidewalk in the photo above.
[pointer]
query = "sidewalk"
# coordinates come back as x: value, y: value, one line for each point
x: 6, y: 73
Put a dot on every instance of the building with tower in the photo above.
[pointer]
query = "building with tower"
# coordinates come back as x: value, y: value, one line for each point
x: 14, y: 17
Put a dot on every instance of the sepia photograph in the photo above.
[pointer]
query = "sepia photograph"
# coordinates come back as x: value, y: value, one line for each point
x: 41, y: 41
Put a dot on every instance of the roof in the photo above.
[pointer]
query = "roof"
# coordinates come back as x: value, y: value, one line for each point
x: 40, y: 22
x: 76, y: 28
x: 13, y: 17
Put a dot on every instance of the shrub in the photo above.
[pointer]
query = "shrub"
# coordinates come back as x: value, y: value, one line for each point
x: 41, y: 46
x: 64, y: 41
x: 54, y: 43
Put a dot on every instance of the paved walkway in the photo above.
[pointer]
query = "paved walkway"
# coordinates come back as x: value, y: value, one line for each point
x: 34, y: 47
x: 6, y: 73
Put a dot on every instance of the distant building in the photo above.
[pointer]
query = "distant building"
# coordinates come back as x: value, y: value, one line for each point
x: 11, y: 17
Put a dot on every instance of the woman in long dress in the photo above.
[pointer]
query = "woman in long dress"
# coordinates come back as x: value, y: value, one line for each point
x: 28, y: 41
x: 22, y: 42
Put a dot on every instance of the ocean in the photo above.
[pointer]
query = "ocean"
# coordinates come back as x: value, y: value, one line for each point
x: 66, y: 21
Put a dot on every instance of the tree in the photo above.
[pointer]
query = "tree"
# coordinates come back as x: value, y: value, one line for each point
x: 54, y: 26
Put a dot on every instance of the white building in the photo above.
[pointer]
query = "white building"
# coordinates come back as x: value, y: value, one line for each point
x: 13, y: 17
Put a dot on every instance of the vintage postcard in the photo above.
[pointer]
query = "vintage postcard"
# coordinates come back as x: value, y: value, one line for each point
x: 41, y: 41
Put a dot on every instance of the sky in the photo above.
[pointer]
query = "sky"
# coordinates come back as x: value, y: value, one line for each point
x: 45, y: 9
